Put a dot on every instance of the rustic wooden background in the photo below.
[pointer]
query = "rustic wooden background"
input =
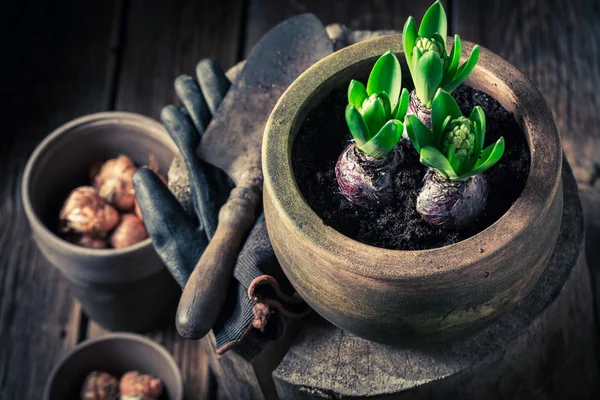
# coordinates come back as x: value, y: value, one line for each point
x: 64, y: 59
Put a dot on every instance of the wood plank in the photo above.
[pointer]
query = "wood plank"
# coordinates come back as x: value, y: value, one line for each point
x: 356, y: 14
x: 590, y: 201
x: 245, y: 373
x: 57, y: 66
x: 557, y: 44
x: 167, y: 38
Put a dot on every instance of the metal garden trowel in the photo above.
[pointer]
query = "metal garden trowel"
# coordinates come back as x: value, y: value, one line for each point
x: 233, y: 143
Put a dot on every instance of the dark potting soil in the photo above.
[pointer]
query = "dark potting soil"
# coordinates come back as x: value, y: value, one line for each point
x: 324, y: 135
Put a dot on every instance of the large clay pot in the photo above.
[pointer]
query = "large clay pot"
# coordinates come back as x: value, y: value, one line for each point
x: 397, y: 296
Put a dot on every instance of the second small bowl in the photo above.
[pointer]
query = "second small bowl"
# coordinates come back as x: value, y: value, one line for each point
x: 115, y: 354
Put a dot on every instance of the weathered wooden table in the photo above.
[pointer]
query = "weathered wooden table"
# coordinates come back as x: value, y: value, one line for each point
x: 69, y: 58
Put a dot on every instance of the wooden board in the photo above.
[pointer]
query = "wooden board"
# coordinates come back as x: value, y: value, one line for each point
x: 555, y: 43
x: 48, y: 79
x: 164, y: 39
x: 356, y: 14
x: 65, y: 59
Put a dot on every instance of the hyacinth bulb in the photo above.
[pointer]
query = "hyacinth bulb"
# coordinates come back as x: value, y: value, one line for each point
x: 130, y: 231
x: 134, y: 385
x: 416, y: 108
x: 85, y: 211
x: 100, y: 385
x: 367, y: 181
x: 115, y: 182
x: 451, y: 204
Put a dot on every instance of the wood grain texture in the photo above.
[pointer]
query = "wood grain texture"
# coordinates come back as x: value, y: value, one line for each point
x: 48, y: 79
x: 246, y: 373
x: 167, y: 38
x: 556, y: 44
x: 590, y: 201
x: 356, y: 14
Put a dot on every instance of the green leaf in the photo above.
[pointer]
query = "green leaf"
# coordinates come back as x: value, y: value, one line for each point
x: 409, y: 38
x: 459, y: 164
x: 357, y: 125
x: 434, y: 21
x: 373, y: 112
x: 441, y: 43
x: 431, y: 157
x: 386, y: 104
x: 478, y: 118
x: 443, y: 106
x: 384, y: 142
x: 428, y: 76
x: 386, y: 76
x: 402, y: 106
x: 419, y: 135
x: 454, y: 58
x: 356, y: 93
x: 487, y: 159
x: 464, y: 71
x: 451, y: 154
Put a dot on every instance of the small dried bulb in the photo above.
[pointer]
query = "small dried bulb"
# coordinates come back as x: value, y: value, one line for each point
x: 129, y: 232
x: 88, y: 240
x: 114, y: 182
x: 135, y: 386
x: 100, y: 386
x: 85, y: 211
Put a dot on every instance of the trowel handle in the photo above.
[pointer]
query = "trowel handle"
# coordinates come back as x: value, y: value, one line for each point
x: 204, y: 294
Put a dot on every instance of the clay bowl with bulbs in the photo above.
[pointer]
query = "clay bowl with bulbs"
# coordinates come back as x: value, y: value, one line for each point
x: 84, y: 220
x: 119, y: 365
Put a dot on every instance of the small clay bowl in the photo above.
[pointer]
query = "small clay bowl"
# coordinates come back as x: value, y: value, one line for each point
x: 115, y: 354
x: 116, y: 287
x: 396, y: 296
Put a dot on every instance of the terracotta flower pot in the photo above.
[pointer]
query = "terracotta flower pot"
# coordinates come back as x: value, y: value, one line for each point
x: 121, y: 289
x: 398, y: 296
x: 115, y: 354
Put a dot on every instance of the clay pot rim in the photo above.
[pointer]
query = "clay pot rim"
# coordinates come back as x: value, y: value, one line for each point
x: 118, y: 336
x: 152, y: 128
x: 524, y: 100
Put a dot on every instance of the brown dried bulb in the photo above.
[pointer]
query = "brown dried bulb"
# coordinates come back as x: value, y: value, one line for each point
x: 134, y: 385
x: 129, y: 232
x: 100, y: 386
x: 85, y: 211
x: 87, y: 240
x: 114, y: 182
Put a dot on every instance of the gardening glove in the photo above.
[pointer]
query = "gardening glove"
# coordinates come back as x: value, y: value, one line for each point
x: 259, y: 298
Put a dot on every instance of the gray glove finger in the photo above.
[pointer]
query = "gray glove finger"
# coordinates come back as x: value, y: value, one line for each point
x: 169, y: 226
x: 213, y: 82
x: 192, y: 98
x: 185, y: 137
